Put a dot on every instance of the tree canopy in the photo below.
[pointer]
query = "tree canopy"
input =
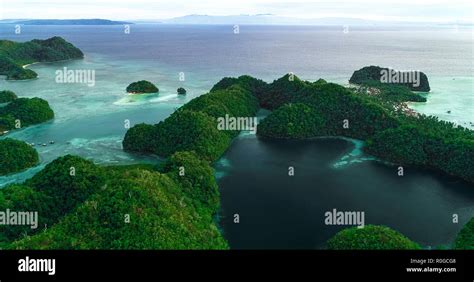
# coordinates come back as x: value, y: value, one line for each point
x: 16, y: 156
x: 142, y: 86
x: 13, y: 55
x: 370, y: 237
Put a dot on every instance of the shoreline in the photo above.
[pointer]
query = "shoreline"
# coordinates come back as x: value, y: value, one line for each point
x: 60, y: 61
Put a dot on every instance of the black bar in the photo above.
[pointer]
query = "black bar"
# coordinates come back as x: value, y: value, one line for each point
x: 241, y: 264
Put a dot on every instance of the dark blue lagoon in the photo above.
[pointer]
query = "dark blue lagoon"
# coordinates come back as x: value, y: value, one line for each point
x: 278, y: 211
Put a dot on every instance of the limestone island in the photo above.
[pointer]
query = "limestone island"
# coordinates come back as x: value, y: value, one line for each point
x: 16, y: 156
x: 23, y: 112
x: 181, y: 91
x: 414, y: 80
x: 189, y: 138
x: 15, y: 55
x: 141, y: 87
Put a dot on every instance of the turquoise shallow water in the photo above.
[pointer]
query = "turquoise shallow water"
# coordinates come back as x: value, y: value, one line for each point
x: 90, y: 121
x: 451, y: 98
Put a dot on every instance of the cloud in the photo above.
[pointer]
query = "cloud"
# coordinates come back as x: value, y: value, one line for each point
x: 409, y: 10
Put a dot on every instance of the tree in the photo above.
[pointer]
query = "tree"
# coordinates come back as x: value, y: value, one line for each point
x: 16, y: 156
x: 7, y: 96
x: 69, y: 181
x: 370, y: 237
x: 465, y: 237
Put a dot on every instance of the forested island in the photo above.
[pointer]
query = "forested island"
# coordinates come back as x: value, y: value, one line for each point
x: 415, y: 80
x: 142, y: 86
x: 23, y: 112
x: 85, y: 206
x: 181, y: 91
x: 303, y: 109
x: 171, y: 206
x: 14, y: 55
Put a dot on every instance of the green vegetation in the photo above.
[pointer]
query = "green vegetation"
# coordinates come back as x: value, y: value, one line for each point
x: 140, y: 138
x: 142, y: 86
x: 196, y: 178
x: 342, y: 112
x: 14, y: 55
x: 172, y: 206
x: 67, y: 181
x: 345, y: 113
x: 395, y: 136
x: 16, y: 156
x: 7, y: 96
x: 281, y: 91
x: 193, y: 127
x: 371, y: 237
x: 189, y: 130
x: 26, y: 111
x: 292, y: 121
x: 427, y: 142
x: 116, y: 208
x: 181, y: 91
x: 254, y: 85
x: 390, y: 92
x: 373, y: 74
x: 465, y: 238
x: 17, y: 197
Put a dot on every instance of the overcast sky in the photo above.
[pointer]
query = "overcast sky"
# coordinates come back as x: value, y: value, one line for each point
x: 404, y: 10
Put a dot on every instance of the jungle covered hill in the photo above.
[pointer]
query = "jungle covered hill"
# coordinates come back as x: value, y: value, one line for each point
x: 303, y: 109
x: 14, y: 55
x: 24, y: 112
x: 84, y: 206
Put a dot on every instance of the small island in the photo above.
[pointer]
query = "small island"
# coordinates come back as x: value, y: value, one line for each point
x: 7, y: 96
x: 16, y: 156
x: 23, y: 112
x: 15, y: 55
x: 181, y: 91
x: 141, y: 87
x: 376, y: 74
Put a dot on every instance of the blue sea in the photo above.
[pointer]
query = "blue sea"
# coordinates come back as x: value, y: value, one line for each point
x: 331, y: 173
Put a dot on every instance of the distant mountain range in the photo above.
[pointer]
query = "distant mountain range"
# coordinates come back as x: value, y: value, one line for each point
x: 270, y: 19
x: 259, y: 19
x: 67, y: 22
x: 264, y: 19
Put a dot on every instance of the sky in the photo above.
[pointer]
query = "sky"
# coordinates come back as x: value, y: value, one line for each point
x: 388, y: 10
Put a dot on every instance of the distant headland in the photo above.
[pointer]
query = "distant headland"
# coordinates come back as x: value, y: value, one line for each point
x: 71, y: 22
x: 14, y: 55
